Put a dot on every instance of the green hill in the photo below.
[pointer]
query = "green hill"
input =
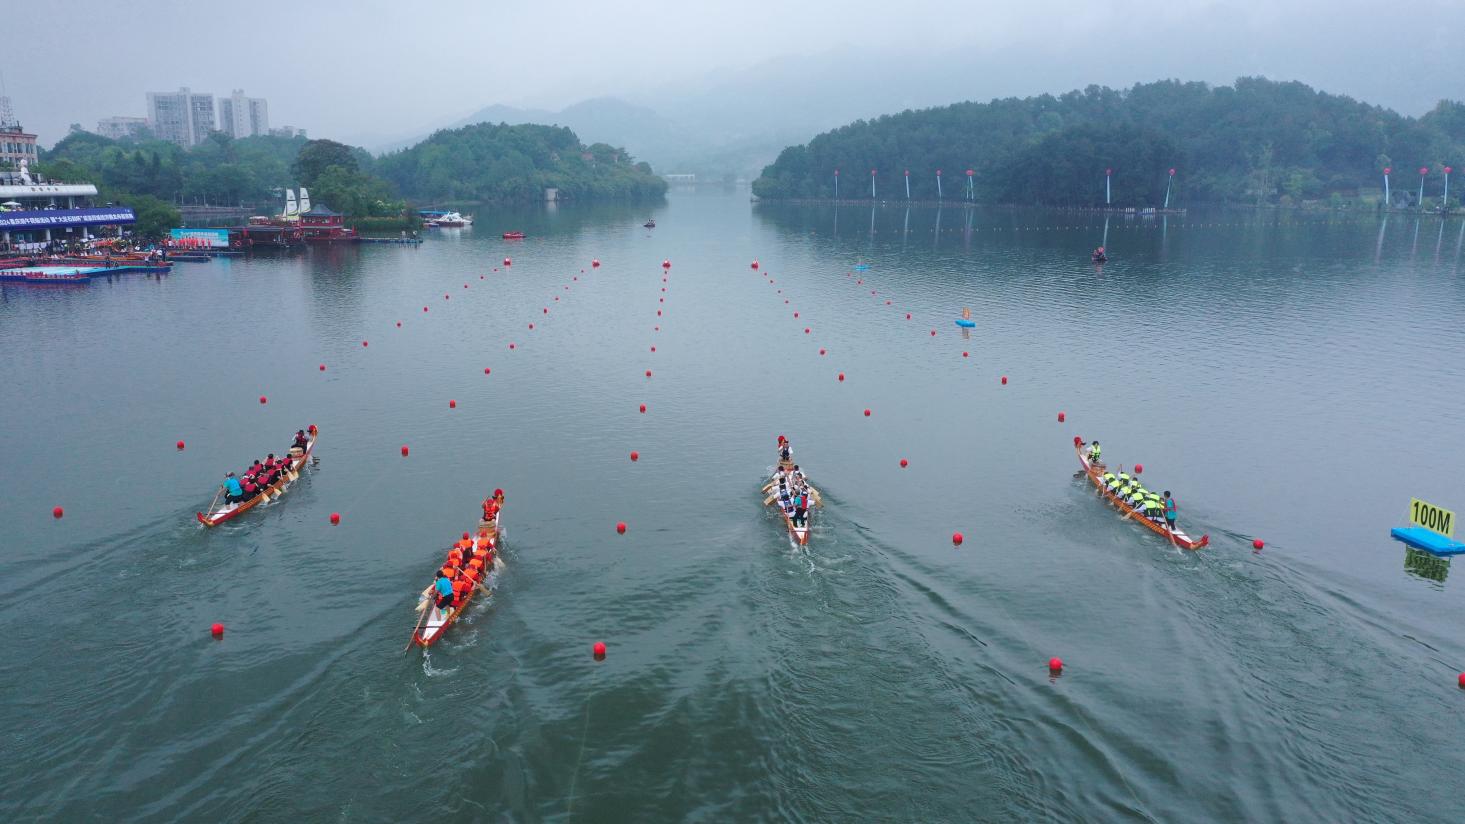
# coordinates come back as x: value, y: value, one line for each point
x: 1256, y: 141
x: 499, y: 162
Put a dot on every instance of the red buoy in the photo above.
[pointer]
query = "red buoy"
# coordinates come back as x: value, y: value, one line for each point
x: 1258, y: 543
x: 57, y: 512
x: 653, y: 348
x: 648, y: 373
x: 965, y: 354
x: 658, y: 313
x: 511, y: 346
x: 806, y: 330
x: 621, y: 527
x: 821, y: 351
x: 595, y: 264
x: 322, y: 367
x: 933, y: 333
x: 311, y: 429
x: 424, y: 308
x: 531, y: 326
x: 1461, y: 682
x: 217, y: 630
x: 487, y: 370
x: 180, y: 444
x: 363, y: 344
x: 796, y: 314
x: 1060, y: 417
x: 956, y: 538
x: 907, y: 315
x: 666, y: 264
x: 841, y: 377
x: 335, y: 518
x: 1004, y: 380
x: 867, y: 413
x: 263, y: 399
x: 1139, y: 469
x: 446, y: 296
x: 508, y: 262
x: 754, y: 264
x: 399, y: 324
x: 904, y: 463
x: 1055, y: 664
x: 643, y: 409
x: 452, y: 404
x: 404, y: 450
x: 546, y: 310
x: 598, y: 650
x: 635, y: 456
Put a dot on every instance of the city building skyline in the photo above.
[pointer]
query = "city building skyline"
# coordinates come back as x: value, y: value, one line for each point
x: 181, y: 117
x: 241, y: 116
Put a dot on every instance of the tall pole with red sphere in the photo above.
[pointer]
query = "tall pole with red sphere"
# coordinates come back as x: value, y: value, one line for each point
x: 1423, y: 173
x: 1108, y: 173
x: 1169, y: 180
x: 872, y: 184
x: 938, y: 185
x: 971, y: 188
x: 908, y: 184
x: 836, y: 184
x: 1445, y: 207
x: 1387, y: 201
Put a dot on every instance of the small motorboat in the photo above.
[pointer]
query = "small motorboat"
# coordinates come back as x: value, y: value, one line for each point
x: 513, y: 235
x: 650, y: 224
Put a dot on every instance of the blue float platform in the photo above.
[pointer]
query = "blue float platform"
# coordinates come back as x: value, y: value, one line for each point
x: 1433, y: 542
x: 965, y: 324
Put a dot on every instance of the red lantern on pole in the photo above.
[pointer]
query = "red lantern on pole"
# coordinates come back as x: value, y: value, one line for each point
x: 1172, y: 172
x: 1423, y: 170
x: 1388, y: 169
x: 970, y: 172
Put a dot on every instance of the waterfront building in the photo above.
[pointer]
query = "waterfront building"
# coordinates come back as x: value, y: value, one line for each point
x: 287, y: 131
x: 181, y: 117
x: 241, y: 116
x: 121, y: 128
x: 16, y: 145
x: 34, y: 212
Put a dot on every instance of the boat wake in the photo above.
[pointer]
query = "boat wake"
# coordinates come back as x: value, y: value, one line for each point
x: 433, y: 672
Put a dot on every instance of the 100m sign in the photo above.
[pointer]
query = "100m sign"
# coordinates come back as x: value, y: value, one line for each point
x: 1432, y: 517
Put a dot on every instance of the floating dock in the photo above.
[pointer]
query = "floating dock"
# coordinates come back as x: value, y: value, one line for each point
x: 1431, y: 542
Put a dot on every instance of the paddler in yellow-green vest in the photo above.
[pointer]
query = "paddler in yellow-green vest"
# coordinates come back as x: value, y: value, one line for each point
x: 1106, y: 479
x: 1114, y: 484
x: 1094, y: 453
x: 1154, y: 510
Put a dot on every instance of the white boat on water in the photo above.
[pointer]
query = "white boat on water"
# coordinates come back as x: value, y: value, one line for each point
x: 453, y: 220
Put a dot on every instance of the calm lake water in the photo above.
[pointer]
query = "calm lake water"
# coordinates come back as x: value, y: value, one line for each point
x: 1290, y: 377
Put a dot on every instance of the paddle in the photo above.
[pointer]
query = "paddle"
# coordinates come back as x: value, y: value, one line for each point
x: 216, y: 499
x: 422, y: 608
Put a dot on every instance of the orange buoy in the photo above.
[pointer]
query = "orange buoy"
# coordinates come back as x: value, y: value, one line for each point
x: 405, y: 450
x: 180, y: 444
x: 217, y: 630
x: 635, y: 456
x: 621, y: 527
x: 57, y: 512
x: 335, y: 518
x: 598, y: 650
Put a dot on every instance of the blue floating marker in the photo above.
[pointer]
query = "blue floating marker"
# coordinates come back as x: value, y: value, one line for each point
x: 965, y: 324
x: 1432, y: 542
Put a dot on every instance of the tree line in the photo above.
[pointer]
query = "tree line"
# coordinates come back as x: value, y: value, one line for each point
x: 1255, y: 141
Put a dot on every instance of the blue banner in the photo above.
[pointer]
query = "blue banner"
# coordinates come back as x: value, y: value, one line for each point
x: 201, y: 238
x: 54, y: 218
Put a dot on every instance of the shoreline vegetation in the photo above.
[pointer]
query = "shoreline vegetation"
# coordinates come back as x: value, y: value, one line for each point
x: 1256, y: 142
x: 485, y: 163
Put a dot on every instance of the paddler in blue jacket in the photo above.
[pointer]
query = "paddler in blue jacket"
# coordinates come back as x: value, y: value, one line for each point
x: 233, y: 492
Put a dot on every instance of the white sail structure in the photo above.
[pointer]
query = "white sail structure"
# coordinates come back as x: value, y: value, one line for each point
x: 290, y: 208
x: 304, y: 200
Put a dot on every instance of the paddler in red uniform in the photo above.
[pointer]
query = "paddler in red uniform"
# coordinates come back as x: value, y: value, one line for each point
x: 491, y: 505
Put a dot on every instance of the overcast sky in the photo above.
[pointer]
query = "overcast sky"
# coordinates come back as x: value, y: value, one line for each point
x: 363, y: 70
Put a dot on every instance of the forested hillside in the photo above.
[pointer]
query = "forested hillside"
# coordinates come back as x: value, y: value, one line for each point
x: 1256, y: 141
x: 499, y: 162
